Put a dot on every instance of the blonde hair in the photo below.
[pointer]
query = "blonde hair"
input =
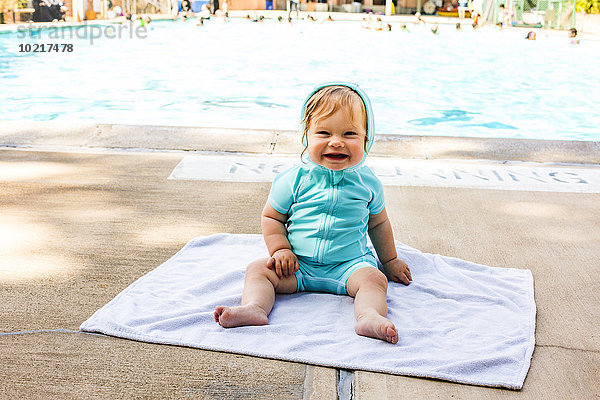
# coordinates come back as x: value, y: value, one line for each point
x: 326, y: 101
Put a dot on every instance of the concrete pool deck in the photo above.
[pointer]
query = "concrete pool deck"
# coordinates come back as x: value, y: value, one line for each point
x: 86, y: 209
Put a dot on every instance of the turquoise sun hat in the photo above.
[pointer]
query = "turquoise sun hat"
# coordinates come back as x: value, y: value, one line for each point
x: 366, y: 102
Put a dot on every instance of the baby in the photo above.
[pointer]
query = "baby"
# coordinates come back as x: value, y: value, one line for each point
x: 317, y: 217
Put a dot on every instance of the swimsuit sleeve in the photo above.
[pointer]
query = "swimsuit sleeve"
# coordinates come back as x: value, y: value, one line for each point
x: 377, y: 203
x: 282, y: 192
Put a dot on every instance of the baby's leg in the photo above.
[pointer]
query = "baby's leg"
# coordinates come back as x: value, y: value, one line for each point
x: 368, y: 286
x: 260, y: 286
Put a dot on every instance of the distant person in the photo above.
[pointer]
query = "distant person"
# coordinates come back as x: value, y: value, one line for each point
x: 458, y: 26
x: 356, y: 6
x: 476, y: 7
x: 111, y: 13
x: 573, y: 35
x: 42, y: 11
x: 365, y: 23
x: 462, y: 8
x: 225, y: 9
x: 186, y: 9
x: 56, y: 10
x: 64, y: 9
x: 505, y: 16
x: 500, y: 15
x: 435, y: 29
x: 475, y: 23
x: 223, y: 13
x: 205, y: 12
x: 293, y: 5
x: 145, y: 21
x: 378, y: 24
x: 450, y: 5
x: 530, y: 35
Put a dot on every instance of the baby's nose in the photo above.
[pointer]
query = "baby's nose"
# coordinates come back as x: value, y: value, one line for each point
x: 336, y: 142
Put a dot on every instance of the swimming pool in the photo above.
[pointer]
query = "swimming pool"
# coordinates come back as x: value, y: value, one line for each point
x: 484, y: 83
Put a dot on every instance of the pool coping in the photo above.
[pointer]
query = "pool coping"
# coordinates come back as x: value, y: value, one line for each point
x: 80, y: 134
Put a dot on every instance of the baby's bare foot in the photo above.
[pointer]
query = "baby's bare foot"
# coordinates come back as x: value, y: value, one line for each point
x: 378, y: 327
x: 240, y: 316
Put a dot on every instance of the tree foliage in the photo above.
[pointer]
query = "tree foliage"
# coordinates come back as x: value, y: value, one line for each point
x: 587, y: 6
x: 7, y: 4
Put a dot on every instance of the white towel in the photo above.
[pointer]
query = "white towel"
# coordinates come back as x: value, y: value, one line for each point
x: 457, y: 320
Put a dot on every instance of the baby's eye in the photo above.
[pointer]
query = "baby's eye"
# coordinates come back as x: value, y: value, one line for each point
x: 323, y: 133
x: 350, y: 133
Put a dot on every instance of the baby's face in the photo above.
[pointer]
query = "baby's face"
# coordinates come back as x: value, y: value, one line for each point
x: 337, y: 142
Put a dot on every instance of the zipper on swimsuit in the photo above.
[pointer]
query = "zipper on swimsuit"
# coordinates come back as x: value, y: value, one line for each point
x: 333, y: 200
x: 322, y: 229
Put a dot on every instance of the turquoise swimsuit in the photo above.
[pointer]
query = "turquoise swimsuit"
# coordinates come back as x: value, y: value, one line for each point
x: 328, y: 215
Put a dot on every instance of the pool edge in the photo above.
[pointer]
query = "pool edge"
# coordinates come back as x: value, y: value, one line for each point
x: 88, y: 134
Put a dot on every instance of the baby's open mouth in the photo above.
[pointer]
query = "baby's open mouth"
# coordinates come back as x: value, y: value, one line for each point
x: 335, y: 156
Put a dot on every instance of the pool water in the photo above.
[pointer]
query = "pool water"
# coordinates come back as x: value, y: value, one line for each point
x: 483, y: 83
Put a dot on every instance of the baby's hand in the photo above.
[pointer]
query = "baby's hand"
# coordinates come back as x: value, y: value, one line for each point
x: 283, y: 262
x: 398, y: 271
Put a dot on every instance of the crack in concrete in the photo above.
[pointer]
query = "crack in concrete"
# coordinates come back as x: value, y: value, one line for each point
x: 345, y: 384
x: 567, y: 348
x: 308, y: 382
x: 97, y: 132
x: 273, y: 143
x: 424, y: 148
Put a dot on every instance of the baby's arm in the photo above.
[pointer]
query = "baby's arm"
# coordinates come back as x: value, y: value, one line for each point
x: 283, y: 261
x: 382, y: 237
